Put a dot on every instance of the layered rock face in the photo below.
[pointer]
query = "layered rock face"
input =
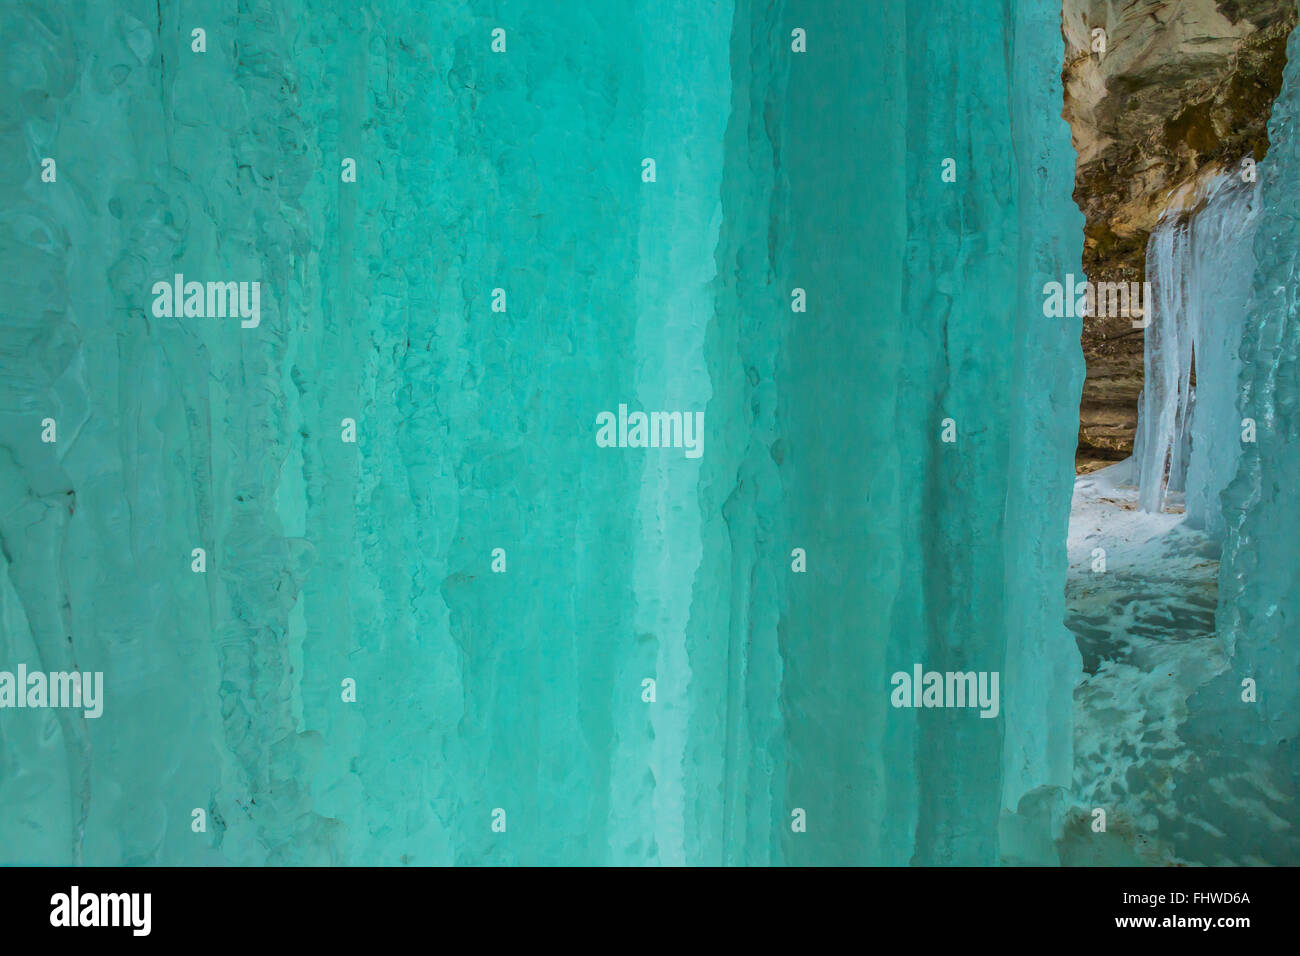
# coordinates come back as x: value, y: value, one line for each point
x: 1180, y: 88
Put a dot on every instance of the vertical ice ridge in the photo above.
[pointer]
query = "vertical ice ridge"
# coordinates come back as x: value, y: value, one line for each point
x: 1258, y: 583
x: 1167, y: 363
x: 843, y: 244
x: 1244, y: 723
x: 1223, y: 245
x: 993, y: 503
x: 1043, y: 664
x: 1200, y: 262
x: 949, y: 264
x: 739, y: 807
x: 42, y: 347
x: 687, y: 100
x: 261, y: 230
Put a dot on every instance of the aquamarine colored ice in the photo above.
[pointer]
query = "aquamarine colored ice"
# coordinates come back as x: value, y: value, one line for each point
x: 372, y: 562
x: 1257, y: 746
x: 1200, y: 263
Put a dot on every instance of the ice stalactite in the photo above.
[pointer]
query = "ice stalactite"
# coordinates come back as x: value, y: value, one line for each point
x: 1224, y: 237
x: 1200, y: 265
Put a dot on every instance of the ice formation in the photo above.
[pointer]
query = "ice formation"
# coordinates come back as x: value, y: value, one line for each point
x: 1200, y: 263
x: 500, y: 717
x: 1257, y: 750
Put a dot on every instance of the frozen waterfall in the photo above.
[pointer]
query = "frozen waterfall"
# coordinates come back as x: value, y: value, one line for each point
x: 1200, y: 263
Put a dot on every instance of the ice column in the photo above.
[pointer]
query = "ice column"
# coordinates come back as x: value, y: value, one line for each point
x: 1200, y: 266
x: 1245, y: 723
x: 1223, y: 266
x: 1167, y: 363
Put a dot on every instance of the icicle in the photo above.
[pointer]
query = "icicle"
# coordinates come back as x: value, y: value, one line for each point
x: 1224, y: 267
x: 1164, y: 393
x: 1200, y: 267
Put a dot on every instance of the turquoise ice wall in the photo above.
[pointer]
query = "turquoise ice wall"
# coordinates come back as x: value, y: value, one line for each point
x: 1246, y: 728
x: 372, y: 561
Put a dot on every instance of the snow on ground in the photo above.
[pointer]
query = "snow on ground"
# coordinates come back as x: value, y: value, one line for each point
x: 1145, y: 629
x: 1103, y: 513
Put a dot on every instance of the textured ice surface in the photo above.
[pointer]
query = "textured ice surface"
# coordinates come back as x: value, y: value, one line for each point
x: 1224, y: 236
x: 372, y: 561
x: 1200, y: 265
x: 1259, y: 582
x: 1167, y: 362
